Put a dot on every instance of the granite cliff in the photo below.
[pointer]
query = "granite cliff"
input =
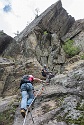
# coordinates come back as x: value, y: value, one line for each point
x: 43, y: 41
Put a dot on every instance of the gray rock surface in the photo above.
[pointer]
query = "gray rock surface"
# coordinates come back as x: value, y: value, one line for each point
x: 53, y: 19
x: 58, y: 102
x: 76, y: 33
x: 39, y: 114
x: 5, y: 40
x: 73, y: 79
x: 49, y: 52
x: 56, y: 22
x: 6, y: 102
x: 41, y: 42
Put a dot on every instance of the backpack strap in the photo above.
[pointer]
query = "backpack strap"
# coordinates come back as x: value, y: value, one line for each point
x: 24, y: 81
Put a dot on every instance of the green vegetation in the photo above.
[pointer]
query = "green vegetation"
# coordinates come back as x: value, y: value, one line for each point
x: 79, y: 121
x: 82, y: 56
x: 80, y: 107
x: 45, y: 32
x: 69, y: 120
x: 70, y: 49
x: 7, y: 117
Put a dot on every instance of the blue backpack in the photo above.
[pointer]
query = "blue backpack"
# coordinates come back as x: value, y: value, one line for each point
x: 28, y: 86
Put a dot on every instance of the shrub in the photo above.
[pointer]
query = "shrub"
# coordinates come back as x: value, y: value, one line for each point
x: 70, y: 49
x: 45, y: 32
x: 1, y: 32
x: 82, y: 56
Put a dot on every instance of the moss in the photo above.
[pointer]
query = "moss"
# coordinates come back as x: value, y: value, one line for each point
x: 69, y: 120
x: 63, y: 116
x: 79, y: 121
x: 59, y: 101
x: 59, y: 118
x: 80, y: 107
x: 7, y: 117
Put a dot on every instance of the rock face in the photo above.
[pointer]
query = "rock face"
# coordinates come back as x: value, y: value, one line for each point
x: 11, y: 73
x: 5, y: 40
x: 41, y: 42
x: 49, y: 51
x: 54, y: 19
x: 6, y: 68
x: 73, y: 103
x: 62, y: 102
x: 73, y: 80
x: 41, y: 37
x: 76, y: 33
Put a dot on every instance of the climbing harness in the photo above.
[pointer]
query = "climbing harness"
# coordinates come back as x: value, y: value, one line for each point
x: 29, y: 107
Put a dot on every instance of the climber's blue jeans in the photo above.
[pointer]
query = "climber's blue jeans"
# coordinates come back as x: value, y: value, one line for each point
x: 27, y: 95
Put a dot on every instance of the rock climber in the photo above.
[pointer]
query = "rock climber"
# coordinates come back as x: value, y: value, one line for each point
x: 27, y: 91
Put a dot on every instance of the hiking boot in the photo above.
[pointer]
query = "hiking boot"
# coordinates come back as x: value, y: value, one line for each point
x: 23, y: 112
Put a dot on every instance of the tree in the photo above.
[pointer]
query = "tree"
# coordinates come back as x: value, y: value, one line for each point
x: 17, y: 33
x: 36, y: 12
x: 28, y: 23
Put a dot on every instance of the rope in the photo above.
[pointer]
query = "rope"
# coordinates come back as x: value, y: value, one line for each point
x: 32, y: 103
